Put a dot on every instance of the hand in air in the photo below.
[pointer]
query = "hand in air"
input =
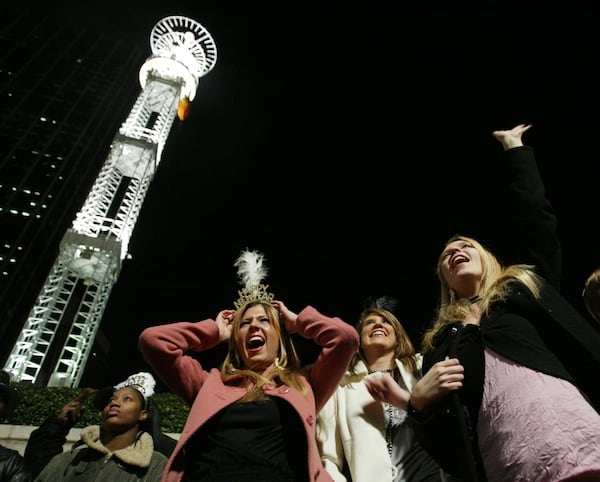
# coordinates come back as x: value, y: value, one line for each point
x: 512, y: 137
x: 224, y: 321
x: 73, y: 410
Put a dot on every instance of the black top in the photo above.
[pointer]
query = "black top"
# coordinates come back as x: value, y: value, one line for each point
x: 261, y: 440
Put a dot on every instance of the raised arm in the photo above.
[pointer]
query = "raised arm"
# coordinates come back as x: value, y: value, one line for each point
x: 338, y: 341
x: 165, y: 348
x: 529, y: 232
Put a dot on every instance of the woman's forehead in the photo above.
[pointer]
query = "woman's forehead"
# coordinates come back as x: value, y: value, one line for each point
x: 127, y: 390
x: 255, y: 310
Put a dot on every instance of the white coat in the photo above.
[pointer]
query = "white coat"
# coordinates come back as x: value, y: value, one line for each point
x: 351, y: 427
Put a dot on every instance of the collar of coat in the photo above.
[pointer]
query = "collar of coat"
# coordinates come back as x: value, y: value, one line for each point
x: 138, y: 454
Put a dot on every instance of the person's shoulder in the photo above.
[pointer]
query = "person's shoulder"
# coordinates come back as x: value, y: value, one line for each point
x: 158, y: 461
x: 7, y: 453
x: 13, y: 466
x: 159, y: 457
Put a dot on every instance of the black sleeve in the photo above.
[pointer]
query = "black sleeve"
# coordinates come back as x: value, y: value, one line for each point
x: 529, y: 229
x: 12, y: 467
x: 44, y: 443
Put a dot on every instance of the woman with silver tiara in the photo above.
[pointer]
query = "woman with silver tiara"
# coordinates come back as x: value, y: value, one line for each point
x: 120, y: 449
x: 254, y: 418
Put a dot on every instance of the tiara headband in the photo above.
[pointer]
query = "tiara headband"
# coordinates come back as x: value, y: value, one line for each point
x: 143, y: 382
x: 251, y: 270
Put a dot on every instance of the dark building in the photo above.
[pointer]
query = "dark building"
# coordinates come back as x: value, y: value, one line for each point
x: 65, y: 91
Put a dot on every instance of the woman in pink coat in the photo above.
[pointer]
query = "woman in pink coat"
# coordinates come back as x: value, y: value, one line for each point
x: 254, y: 419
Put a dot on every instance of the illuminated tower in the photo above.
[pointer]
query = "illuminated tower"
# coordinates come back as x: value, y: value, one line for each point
x: 59, y: 332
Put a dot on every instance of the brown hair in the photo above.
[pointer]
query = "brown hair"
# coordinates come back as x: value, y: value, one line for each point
x: 404, y: 349
x: 287, y: 363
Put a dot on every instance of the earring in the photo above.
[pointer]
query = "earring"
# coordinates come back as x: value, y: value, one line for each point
x: 452, y: 296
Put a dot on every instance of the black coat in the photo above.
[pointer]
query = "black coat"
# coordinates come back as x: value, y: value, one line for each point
x: 546, y: 334
x: 12, y: 468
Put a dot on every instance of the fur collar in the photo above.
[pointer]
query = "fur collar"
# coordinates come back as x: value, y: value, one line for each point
x: 138, y: 454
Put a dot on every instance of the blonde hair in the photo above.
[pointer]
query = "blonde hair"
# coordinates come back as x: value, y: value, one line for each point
x: 404, y: 349
x: 287, y: 363
x: 496, y: 282
x: 591, y: 294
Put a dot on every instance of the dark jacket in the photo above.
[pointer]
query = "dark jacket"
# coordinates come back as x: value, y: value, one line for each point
x: 12, y: 468
x: 546, y: 334
x: 90, y: 460
x: 45, y: 442
x: 48, y: 439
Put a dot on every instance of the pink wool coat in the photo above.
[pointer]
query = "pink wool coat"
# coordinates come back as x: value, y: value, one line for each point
x: 164, y: 348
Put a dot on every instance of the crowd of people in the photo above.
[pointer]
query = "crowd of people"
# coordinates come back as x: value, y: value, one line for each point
x: 501, y: 388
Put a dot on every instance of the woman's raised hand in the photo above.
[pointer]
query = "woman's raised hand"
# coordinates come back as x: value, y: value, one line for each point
x: 288, y: 316
x: 224, y: 322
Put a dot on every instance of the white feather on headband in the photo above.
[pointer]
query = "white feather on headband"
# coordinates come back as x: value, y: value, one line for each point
x: 251, y: 271
x: 251, y: 268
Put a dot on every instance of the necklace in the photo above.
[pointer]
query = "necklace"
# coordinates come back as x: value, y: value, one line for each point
x: 386, y: 370
x: 389, y: 409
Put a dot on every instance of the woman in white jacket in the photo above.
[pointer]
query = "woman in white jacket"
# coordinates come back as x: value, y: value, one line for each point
x: 359, y: 438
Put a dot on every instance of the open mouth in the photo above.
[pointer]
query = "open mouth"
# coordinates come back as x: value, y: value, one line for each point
x: 378, y: 332
x: 459, y: 260
x: 255, y: 343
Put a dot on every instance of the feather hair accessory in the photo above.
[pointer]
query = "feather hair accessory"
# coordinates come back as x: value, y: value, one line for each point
x: 382, y: 303
x: 251, y: 271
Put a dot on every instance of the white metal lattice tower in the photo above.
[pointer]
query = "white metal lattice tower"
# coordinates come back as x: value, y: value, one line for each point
x: 64, y: 321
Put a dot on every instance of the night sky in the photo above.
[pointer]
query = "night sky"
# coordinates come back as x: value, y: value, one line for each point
x: 347, y: 144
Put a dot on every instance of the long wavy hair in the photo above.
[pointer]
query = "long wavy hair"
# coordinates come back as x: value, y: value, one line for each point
x: 404, y: 349
x: 286, y: 367
x: 496, y: 282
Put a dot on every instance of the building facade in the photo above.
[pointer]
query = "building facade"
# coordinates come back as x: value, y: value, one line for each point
x: 65, y: 91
